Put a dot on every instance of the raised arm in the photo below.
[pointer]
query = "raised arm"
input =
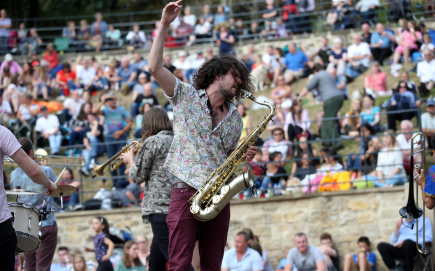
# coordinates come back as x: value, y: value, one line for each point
x: 163, y: 76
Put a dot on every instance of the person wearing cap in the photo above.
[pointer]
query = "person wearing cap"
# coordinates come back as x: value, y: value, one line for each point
x: 182, y: 63
x: 14, y: 67
x: 5, y: 25
x: 428, y: 121
x: 48, y: 126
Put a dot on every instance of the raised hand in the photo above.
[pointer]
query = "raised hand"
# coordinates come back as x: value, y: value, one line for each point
x: 171, y: 11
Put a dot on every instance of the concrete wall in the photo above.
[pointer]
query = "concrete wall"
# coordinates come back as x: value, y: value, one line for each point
x: 345, y: 215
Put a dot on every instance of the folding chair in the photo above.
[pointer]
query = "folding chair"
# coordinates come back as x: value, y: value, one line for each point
x: 426, y: 260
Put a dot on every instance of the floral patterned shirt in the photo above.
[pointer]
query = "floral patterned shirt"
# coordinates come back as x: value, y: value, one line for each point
x: 197, y: 149
x: 99, y: 246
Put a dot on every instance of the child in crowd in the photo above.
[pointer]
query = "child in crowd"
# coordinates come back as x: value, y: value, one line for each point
x: 364, y: 259
x: 329, y: 253
x: 333, y: 164
x: 103, y: 246
x: 256, y: 164
x: 427, y: 44
x: 130, y: 259
x: 80, y: 263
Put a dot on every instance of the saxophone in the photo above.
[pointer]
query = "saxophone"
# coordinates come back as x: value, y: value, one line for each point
x: 221, y: 187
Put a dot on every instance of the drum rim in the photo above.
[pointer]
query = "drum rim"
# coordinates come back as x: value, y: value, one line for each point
x: 24, y: 205
x: 38, y: 241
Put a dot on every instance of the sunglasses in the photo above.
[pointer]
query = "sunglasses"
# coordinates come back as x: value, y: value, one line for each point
x: 110, y: 99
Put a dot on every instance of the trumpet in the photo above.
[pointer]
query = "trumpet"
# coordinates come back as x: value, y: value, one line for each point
x: 411, y: 210
x: 115, y: 162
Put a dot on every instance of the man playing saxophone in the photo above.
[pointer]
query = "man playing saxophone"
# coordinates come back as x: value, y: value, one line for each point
x: 207, y: 128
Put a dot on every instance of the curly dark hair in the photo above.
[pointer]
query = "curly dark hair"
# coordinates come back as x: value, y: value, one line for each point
x: 220, y: 66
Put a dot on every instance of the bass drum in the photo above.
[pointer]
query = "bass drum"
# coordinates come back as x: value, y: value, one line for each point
x: 26, y: 224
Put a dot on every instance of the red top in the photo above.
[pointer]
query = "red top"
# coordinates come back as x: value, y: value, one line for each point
x: 52, y: 59
x: 64, y: 77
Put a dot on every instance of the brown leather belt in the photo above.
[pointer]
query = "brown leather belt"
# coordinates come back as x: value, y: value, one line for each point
x: 181, y: 185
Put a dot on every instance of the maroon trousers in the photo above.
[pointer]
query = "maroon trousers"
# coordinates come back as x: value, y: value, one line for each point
x: 183, y: 227
x: 40, y: 260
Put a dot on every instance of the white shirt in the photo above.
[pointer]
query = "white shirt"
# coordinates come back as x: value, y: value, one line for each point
x: 141, y: 35
x: 14, y: 88
x: 426, y: 71
x: 390, y: 160
x: 25, y: 113
x: 202, y: 29
x: 195, y: 64
x: 47, y: 125
x: 6, y: 107
x: 364, y: 5
x: 190, y: 19
x: 266, y: 59
x: 86, y: 75
x: 69, y: 102
x: 427, y: 121
x: 182, y: 66
x: 425, y: 46
x: 175, y: 23
x: 403, y: 143
x: 359, y: 50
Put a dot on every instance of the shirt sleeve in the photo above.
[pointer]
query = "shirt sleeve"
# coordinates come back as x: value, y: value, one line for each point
x: 305, y: 58
x: 372, y: 258
x: 419, y: 69
x: 257, y: 263
x: 313, y: 83
x: 8, y: 143
x: 225, y: 260
x: 144, y: 161
x: 290, y: 257
x: 429, y: 189
x: 393, y: 238
x: 318, y: 255
x: 181, y: 92
x: 126, y: 113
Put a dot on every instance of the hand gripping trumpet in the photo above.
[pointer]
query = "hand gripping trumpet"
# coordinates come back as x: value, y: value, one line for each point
x: 411, y: 210
x: 220, y: 187
x: 115, y: 162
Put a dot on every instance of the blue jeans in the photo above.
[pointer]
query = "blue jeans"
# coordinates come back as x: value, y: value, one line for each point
x: 4, y: 45
x: 396, y: 180
x: 97, y: 150
x: 55, y: 142
x: 190, y: 73
x: 76, y: 137
x: 134, y: 110
x: 265, y: 183
x: 112, y: 149
x: 66, y: 114
x: 354, y: 164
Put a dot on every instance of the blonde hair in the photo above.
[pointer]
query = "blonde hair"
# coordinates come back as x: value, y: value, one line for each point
x: 80, y: 256
x: 391, y: 134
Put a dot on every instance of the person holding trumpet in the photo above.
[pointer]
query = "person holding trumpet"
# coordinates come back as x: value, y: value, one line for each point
x: 146, y: 167
x: 39, y: 260
x: 10, y: 146
x: 427, y: 183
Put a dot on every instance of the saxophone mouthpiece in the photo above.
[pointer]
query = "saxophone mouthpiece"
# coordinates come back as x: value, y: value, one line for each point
x: 248, y: 94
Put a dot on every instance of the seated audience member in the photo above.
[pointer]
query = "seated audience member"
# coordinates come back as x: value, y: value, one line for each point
x: 358, y: 55
x: 136, y: 37
x: 247, y: 122
x: 146, y: 98
x: 31, y: 43
x: 389, y: 170
x: 83, y: 34
x: 304, y: 256
x: 220, y: 17
x: 194, y: 65
x: 350, y: 123
x: 376, y: 80
x: 68, y: 178
x: 366, y: 160
x: 278, y: 121
x: 86, y: 76
x: 182, y: 32
x: 188, y: 17
x: 69, y: 31
x: 77, y: 126
x: 404, y: 143
x: 426, y: 73
x: 324, y: 51
x: 110, y: 75
x: 278, y: 144
x: 72, y: 105
x: 270, y: 13
x: 428, y: 121
x: 295, y: 62
x: 340, y: 81
x: 297, y: 122
x: 167, y: 63
x: 338, y: 17
x: 366, y: 35
x: 364, y: 260
x: 313, y: 59
x: 277, y: 65
x: 203, y: 29
x: 371, y: 113
x: 113, y: 35
x: 126, y: 76
x: 14, y: 67
x: 65, y: 79
x: 367, y: 9
x: 48, y: 126
x: 338, y: 56
x: 130, y: 259
x: 333, y: 164
x: 404, y: 76
x: 50, y: 55
x: 139, y: 63
x: 380, y: 44
x: 282, y: 91
x: 13, y: 94
x: 403, y: 243
x: 241, y: 256
x: 275, y: 173
x: 26, y: 114
x: 5, y: 112
x: 304, y: 148
x: 41, y: 81
x: 402, y: 99
x: 138, y: 89
x: 253, y: 32
x: 100, y: 22
x: 26, y: 77
x: 64, y: 258
x: 206, y: 15
x: 281, y: 29
x: 94, y: 135
x: 407, y: 42
x: 182, y: 63
x: 329, y: 253
x: 427, y: 44
x: 305, y: 168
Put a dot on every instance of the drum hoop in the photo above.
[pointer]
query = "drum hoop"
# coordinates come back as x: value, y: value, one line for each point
x: 38, y: 241
x: 24, y: 205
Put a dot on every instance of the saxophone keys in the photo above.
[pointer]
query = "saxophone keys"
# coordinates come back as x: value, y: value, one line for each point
x: 194, y: 209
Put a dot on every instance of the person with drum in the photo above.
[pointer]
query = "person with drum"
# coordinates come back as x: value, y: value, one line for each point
x: 10, y: 146
x: 39, y: 260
